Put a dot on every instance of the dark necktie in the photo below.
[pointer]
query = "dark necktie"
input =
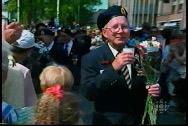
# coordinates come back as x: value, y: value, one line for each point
x: 66, y: 49
x: 125, y: 72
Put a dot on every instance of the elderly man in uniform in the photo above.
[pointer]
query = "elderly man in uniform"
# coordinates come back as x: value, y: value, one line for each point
x: 118, y: 98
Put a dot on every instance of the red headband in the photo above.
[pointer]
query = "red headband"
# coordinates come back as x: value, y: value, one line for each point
x: 55, y: 90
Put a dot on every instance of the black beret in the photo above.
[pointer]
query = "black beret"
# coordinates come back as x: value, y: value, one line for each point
x: 110, y: 13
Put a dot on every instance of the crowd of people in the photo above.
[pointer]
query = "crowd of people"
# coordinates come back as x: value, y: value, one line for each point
x: 72, y: 76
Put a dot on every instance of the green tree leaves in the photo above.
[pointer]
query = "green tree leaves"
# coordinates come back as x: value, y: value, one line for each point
x: 40, y: 10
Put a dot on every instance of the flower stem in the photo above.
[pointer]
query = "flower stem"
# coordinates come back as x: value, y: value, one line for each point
x: 151, y: 110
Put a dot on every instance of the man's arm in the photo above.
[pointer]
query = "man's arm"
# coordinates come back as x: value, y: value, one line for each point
x: 94, y: 77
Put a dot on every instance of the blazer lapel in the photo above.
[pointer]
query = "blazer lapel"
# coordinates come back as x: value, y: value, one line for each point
x: 108, y: 55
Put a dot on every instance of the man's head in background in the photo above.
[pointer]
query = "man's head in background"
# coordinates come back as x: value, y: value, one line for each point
x: 46, y: 35
x: 21, y: 49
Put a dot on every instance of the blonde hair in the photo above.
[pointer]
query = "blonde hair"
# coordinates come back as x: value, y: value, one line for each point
x: 56, y: 75
x: 50, y: 110
x: 46, y: 110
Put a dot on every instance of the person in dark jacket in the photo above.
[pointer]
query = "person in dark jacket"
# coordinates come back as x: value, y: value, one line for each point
x: 102, y: 81
x: 70, y: 50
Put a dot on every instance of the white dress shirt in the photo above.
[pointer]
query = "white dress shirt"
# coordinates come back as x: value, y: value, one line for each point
x: 115, y: 52
x: 69, y: 47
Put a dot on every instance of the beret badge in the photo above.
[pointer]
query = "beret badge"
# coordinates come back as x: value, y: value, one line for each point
x: 123, y: 11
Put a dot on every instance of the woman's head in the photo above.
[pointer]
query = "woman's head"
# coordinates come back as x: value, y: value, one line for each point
x: 57, y: 107
x: 46, y: 35
x: 52, y: 75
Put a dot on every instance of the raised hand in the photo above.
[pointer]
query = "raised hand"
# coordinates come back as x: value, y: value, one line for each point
x: 123, y: 59
x: 12, y: 32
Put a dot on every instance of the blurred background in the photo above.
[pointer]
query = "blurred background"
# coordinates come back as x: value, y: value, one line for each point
x: 160, y: 13
x: 62, y: 31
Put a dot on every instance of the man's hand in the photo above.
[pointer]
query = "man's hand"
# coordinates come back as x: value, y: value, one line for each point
x: 123, y: 59
x: 153, y: 90
x: 12, y: 32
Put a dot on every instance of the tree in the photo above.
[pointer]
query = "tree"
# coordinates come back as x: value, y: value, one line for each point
x: 11, y: 7
x: 40, y: 10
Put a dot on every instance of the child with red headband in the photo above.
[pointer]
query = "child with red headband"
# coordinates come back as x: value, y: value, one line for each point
x: 57, y: 105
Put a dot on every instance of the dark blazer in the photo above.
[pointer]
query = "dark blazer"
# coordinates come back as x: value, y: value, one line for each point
x: 80, y: 47
x: 57, y: 52
x: 36, y: 63
x: 107, y: 87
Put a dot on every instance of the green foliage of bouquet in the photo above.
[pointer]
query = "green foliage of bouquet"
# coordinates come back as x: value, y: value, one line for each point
x: 151, y: 66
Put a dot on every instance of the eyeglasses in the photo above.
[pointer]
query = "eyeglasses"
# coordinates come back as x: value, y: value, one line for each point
x: 117, y: 29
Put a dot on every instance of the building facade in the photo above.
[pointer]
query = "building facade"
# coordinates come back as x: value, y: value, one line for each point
x: 172, y: 13
x: 160, y: 13
x: 139, y: 11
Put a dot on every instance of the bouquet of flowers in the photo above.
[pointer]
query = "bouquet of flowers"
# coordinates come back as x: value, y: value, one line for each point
x: 151, y: 66
x: 151, y: 46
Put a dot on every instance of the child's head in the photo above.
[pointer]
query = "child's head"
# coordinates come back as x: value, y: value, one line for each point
x: 52, y: 75
x: 57, y: 107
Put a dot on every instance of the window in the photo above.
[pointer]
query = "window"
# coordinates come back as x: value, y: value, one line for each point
x: 173, y: 8
x: 180, y: 7
x: 166, y: 1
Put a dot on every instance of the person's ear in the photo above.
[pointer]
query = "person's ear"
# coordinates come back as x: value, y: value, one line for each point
x: 104, y: 33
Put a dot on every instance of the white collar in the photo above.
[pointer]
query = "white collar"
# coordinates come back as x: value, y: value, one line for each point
x: 114, y: 51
